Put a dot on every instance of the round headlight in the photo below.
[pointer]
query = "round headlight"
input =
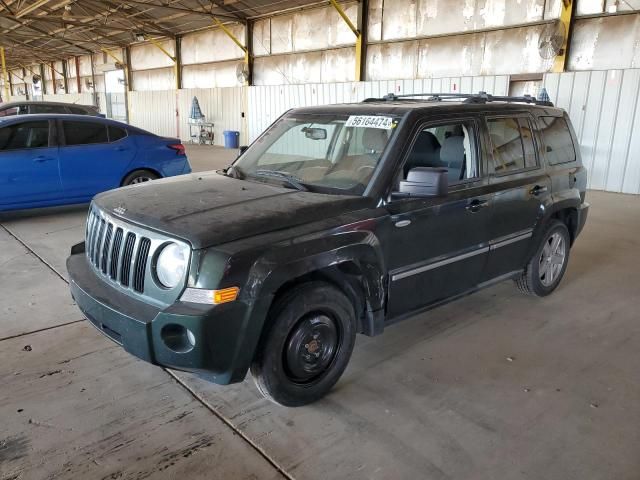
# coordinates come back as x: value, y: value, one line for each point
x: 171, y: 265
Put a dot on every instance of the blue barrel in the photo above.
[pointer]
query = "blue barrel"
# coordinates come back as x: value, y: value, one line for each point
x: 231, y: 139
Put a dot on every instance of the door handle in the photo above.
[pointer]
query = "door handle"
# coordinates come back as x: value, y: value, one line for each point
x: 476, y: 205
x: 402, y: 223
x: 42, y: 158
x: 538, y: 189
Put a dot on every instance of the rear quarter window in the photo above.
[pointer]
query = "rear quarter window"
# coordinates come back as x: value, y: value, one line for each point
x: 116, y: 133
x: 558, y: 144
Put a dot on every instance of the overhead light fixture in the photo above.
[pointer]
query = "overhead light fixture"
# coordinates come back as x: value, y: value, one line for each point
x: 140, y: 37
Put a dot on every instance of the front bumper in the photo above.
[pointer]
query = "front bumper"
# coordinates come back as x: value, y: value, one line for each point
x: 221, y: 341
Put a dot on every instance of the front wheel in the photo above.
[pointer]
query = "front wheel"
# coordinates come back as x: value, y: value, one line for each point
x: 307, y: 346
x: 545, y: 270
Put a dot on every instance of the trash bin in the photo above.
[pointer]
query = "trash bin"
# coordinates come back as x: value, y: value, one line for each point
x: 231, y: 139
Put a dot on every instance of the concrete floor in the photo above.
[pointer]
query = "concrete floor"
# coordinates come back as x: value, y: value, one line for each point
x: 494, y: 386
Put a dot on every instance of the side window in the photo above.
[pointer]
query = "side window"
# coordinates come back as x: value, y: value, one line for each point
x: 25, y: 135
x: 559, y: 146
x: 46, y: 109
x: 116, y: 133
x: 9, y: 112
x: 77, y: 111
x: 512, y: 144
x: 447, y: 146
x: 84, y: 133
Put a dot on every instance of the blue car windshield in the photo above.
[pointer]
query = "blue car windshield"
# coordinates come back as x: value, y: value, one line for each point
x: 326, y: 153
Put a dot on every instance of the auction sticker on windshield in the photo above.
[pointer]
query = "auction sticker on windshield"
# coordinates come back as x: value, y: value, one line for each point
x: 370, y: 121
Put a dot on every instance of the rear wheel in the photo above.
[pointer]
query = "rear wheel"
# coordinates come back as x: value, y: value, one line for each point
x: 307, y: 346
x: 139, y: 176
x: 545, y: 270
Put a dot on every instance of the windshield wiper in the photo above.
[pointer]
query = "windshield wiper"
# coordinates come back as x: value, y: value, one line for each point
x: 233, y: 172
x: 291, y: 180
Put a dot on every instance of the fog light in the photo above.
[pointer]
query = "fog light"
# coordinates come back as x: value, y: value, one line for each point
x: 177, y: 338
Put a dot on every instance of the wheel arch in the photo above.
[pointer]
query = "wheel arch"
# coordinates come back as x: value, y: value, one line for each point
x: 140, y: 169
x: 568, y: 216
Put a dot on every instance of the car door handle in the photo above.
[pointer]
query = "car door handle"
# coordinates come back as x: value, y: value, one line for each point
x: 476, y: 205
x: 402, y: 223
x: 42, y: 158
x: 538, y: 189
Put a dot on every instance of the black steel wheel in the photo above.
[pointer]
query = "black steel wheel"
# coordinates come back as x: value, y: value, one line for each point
x: 306, y: 345
x: 311, y: 347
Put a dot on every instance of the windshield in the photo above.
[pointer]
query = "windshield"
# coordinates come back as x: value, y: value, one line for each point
x: 324, y: 153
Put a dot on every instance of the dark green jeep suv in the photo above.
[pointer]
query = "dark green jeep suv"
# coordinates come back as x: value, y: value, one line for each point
x: 338, y: 220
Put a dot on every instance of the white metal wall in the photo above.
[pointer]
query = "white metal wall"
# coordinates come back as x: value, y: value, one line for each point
x: 155, y: 111
x: 80, y: 98
x: 267, y: 103
x: 222, y: 106
x: 605, y: 112
x: 167, y: 112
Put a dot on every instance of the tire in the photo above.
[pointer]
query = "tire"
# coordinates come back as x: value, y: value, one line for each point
x: 139, y: 176
x: 543, y: 273
x: 292, y: 367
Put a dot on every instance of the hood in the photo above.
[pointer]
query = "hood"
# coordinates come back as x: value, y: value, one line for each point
x: 209, y: 209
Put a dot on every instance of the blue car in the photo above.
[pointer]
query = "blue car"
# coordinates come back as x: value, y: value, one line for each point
x: 48, y: 160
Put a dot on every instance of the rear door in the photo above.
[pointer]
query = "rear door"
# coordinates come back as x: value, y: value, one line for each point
x: 28, y: 163
x: 93, y: 156
x: 522, y: 190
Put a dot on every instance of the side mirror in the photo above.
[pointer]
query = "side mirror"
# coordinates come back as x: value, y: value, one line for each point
x: 425, y: 182
x: 242, y: 149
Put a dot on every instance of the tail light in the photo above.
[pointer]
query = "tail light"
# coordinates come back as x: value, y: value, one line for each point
x: 178, y: 147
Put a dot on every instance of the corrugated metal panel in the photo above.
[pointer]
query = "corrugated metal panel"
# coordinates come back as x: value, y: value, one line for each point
x: 222, y: 106
x: 267, y: 103
x: 158, y: 79
x: 605, y: 43
x: 154, y: 111
x: 147, y: 56
x: 81, y: 98
x: 604, y: 110
x: 211, y: 46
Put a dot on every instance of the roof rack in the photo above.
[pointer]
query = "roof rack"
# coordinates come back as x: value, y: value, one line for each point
x: 480, y: 97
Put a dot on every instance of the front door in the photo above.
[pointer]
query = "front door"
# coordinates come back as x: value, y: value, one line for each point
x: 438, y: 246
x: 522, y: 190
x: 28, y: 164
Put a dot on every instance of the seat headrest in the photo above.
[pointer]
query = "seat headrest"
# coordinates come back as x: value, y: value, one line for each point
x: 426, y: 141
x: 452, y: 151
x: 374, y: 139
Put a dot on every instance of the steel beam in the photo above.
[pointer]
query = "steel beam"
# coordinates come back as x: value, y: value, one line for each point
x: 178, y: 61
x: 359, y: 38
x: 566, y: 17
x: 65, y: 76
x: 183, y: 10
x: 245, y: 49
x: 5, y: 76
x: 78, y: 82
x: 43, y: 82
x: 53, y: 79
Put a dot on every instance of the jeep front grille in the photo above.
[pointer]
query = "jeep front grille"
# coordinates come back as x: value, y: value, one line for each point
x: 105, y: 251
x: 122, y: 254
